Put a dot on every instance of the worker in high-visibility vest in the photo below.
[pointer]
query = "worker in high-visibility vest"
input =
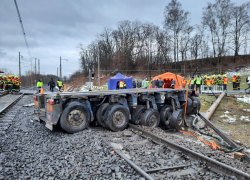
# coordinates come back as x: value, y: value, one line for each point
x: 224, y: 82
x: 234, y: 82
x: 219, y: 80
x: 189, y: 83
x: 1, y: 82
x: 121, y: 84
x: 192, y: 83
x: 198, y: 83
x: 39, y: 84
x: 16, y: 85
x: 238, y: 81
x: 59, y: 84
x: 9, y: 84
x: 184, y: 83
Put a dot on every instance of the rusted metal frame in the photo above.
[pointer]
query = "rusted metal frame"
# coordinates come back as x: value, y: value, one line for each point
x: 215, y: 165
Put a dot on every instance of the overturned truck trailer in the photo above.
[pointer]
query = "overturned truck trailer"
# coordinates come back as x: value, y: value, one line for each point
x: 115, y: 109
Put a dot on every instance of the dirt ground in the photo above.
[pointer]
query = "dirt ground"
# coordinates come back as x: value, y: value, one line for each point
x: 231, y: 116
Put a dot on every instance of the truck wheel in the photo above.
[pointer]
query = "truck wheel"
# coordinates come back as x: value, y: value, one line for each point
x: 198, y: 107
x: 116, y: 117
x: 150, y: 118
x: 136, y: 114
x: 165, y: 114
x: 177, y: 119
x: 189, y: 106
x: 75, y: 117
x: 100, y: 113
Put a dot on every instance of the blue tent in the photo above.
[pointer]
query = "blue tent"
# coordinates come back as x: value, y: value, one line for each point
x: 113, y: 82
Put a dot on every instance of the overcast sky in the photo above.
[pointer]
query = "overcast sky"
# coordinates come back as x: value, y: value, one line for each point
x: 55, y: 28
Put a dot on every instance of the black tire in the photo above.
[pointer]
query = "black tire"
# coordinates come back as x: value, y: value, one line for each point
x: 75, y: 117
x: 100, y: 113
x: 165, y: 114
x: 150, y: 118
x: 136, y: 114
x: 189, y: 106
x: 198, y: 107
x: 116, y: 117
x: 177, y: 119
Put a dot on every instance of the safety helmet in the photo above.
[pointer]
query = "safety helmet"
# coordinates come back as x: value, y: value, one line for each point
x: 16, y: 76
x: 1, y: 75
x: 224, y: 75
x: 238, y: 74
x: 5, y: 76
x: 208, y: 77
x: 205, y: 76
x: 218, y: 75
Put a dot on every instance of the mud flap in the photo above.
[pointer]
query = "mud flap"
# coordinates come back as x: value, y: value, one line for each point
x: 49, y: 126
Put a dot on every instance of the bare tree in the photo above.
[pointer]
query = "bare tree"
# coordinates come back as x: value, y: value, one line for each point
x: 176, y: 20
x: 240, y: 25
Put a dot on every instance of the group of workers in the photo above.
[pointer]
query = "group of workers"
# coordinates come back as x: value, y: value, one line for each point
x: 9, y: 83
x: 141, y: 84
x: 51, y: 84
x: 212, y: 81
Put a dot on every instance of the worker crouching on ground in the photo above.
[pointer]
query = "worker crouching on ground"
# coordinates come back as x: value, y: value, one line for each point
x: 39, y: 84
x: 238, y: 81
x: 224, y: 82
x: 51, y: 85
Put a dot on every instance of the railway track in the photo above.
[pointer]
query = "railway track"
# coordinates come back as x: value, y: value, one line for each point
x: 6, y: 118
x: 156, y: 158
x: 7, y: 100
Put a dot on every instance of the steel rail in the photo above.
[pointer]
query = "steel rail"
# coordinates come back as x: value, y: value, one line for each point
x: 215, y: 165
x: 137, y: 168
x: 10, y: 104
x: 222, y: 134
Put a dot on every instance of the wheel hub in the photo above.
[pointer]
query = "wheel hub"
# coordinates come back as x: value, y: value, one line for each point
x: 76, y: 118
x: 152, y: 121
x: 119, y: 118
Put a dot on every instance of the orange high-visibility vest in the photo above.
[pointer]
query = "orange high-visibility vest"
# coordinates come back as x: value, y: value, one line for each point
x: 184, y: 82
x: 225, y: 80
x: 189, y: 81
x: 121, y: 83
x: 234, y: 79
x: 208, y: 82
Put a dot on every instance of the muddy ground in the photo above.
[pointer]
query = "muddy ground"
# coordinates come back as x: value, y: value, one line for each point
x: 231, y: 116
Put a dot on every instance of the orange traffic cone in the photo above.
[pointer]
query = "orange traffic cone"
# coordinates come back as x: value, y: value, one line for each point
x: 42, y: 92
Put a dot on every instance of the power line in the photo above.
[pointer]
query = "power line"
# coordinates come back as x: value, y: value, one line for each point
x: 26, y: 42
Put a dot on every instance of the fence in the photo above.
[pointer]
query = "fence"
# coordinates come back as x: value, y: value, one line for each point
x: 211, y: 89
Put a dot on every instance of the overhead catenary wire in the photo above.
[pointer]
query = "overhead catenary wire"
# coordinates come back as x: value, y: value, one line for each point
x: 25, y: 38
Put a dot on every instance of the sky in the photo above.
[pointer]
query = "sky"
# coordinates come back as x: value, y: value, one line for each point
x: 56, y: 28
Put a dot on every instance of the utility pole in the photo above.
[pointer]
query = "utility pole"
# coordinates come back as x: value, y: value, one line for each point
x: 57, y: 72
x: 35, y: 65
x: 89, y: 80
x: 38, y: 66
x: 19, y: 66
x: 60, y: 68
x: 99, y: 70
